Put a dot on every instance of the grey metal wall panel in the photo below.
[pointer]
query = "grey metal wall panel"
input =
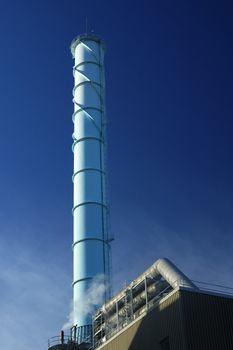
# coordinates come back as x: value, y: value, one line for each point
x: 208, y: 321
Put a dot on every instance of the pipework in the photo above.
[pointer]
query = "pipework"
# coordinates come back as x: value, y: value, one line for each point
x: 139, y: 297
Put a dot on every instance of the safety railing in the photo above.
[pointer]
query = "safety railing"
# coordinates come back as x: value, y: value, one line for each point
x: 60, y: 340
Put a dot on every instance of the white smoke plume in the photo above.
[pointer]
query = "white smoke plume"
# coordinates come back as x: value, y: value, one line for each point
x: 87, y: 305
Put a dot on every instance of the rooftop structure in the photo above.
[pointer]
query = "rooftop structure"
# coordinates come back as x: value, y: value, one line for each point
x: 140, y: 296
x: 163, y: 310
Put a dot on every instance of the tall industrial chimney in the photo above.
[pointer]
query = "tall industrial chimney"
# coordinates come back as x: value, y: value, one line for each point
x: 90, y: 233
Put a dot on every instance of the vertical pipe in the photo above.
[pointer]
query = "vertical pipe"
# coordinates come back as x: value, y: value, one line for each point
x: 117, y: 313
x: 90, y: 241
x: 131, y: 302
x: 126, y: 308
x: 146, y: 293
x: 62, y: 337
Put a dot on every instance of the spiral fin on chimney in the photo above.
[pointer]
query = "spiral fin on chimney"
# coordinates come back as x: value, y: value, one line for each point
x: 90, y: 211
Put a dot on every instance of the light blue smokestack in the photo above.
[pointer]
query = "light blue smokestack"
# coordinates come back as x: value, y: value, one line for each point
x: 91, y: 244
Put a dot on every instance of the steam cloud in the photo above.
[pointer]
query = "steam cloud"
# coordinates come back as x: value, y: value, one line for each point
x: 88, y: 304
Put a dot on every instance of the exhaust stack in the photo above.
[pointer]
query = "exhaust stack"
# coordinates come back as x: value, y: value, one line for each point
x: 90, y: 233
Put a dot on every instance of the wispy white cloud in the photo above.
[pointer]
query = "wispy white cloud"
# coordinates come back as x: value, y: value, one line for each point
x: 33, y: 297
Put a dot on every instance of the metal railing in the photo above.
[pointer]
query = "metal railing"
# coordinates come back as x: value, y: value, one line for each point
x: 59, y: 340
x: 78, y: 336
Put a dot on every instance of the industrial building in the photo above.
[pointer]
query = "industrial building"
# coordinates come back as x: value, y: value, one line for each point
x: 161, y: 309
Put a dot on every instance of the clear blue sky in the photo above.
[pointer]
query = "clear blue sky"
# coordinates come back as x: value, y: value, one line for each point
x: 169, y: 77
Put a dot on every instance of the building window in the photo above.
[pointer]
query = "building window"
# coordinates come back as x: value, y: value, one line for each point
x: 164, y: 344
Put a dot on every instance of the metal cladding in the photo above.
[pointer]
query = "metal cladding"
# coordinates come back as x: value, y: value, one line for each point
x: 90, y: 241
